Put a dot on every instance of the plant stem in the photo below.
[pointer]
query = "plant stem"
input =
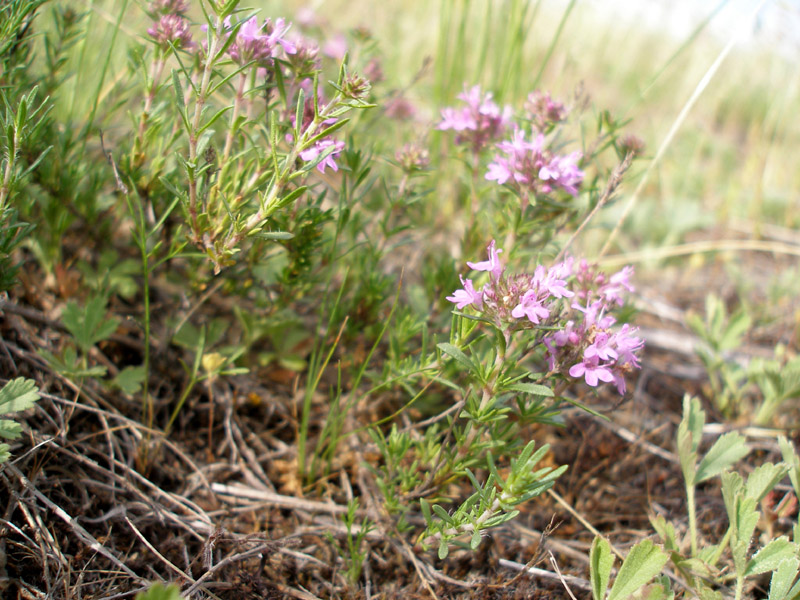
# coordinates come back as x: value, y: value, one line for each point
x: 200, y: 101
x: 691, y: 510
x: 155, y: 77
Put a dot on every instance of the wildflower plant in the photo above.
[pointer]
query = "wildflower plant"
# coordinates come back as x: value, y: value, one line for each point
x: 242, y: 76
x: 505, y: 331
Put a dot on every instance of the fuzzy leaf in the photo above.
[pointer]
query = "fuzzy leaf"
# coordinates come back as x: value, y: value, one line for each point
x: 763, y: 479
x: 9, y: 430
x: 782, y: 578
x: 644, y: 561
x: 530, y: 388
x: 792, y: 460
x: 727, y: 450
x: 689, y: 433
x: 771, y: 556
x: 666, y: 531
x: 17, y: 395
x: 601, y: 561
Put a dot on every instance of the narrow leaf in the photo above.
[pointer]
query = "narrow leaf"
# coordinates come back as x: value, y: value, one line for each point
x: 530, y: 388
x: 601, y: 561
x: 456, y: 354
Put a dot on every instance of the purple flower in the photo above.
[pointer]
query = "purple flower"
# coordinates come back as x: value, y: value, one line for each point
x: 531, y: 307
x: 531, y: 169
x: 568, y: 335
x: 336, y: 47
x: 627, y: 344
x: 563, y: 171
x: 477, y: 123
x: 620, y: 281
x: 593, y: 315
x: 619, y: 381
x: 492, y: 265
x: 592, y: 371
x: 171, y: 30
x: 167, y: 7
x: 601, y: 347
x: 259, y: 43
x: 466, y: 296
x: 321, y: 146
x: 544, y: 111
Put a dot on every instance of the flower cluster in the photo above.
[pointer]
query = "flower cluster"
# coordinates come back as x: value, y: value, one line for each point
x: 171, y: 30
x: 531, y: 169
x: 170, y: 27
x: 477, y: 123
x: 259, y: 43
x: 543, y: 111
x: 569, y: 304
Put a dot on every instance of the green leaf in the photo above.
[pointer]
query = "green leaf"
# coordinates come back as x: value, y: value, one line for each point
x: 88, y: 325
x: 442, y: 514
x: 644, y: 561
x: 792, y: 460
x: 601, y: 561
x: 666, y: 531
x: 17, y: 395
x: 763, y: 479
x: 4, y: 453
x: 443, y: 549
x: 660, y: 590
x: 178, y: 88
x: 690, y: 432
x: 456, y: 354
x: 130, y: 379
x: 273, y: 235
x: 771, y: 556
x: 530, y: 388
x: 476, y: 540
x: 782, y: 578
x: 727, y: 450
x: 426, y: 510
x: 160, y: 592
x: 10, y: 430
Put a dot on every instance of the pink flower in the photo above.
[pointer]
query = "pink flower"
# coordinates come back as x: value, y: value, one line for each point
x: 531, y: 169
x: 592, y: 371
x: 620, y: 281
x: 259, y: 43
x: 335, y: 47
x: 321, y: 147
x: 531, y: 307
x: 171, y: 30
x: 477, y: 123
x: 492, y: 265
x: 601, y: 347
x: 544, y: 111
x: 466, y: 296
